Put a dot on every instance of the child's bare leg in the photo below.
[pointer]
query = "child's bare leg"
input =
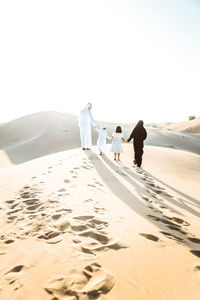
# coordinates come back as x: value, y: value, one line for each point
x: 114, y: 156
x: 118, y: 155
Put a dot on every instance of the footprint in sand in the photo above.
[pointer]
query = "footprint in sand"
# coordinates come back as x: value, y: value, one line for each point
x: 99, y: 210
x: 12, y: 277
x: 98, y: 222
x: 147, y: 199
x: 91, y: 185
x: 62, y: 224
x: 101, y: 237
x: 93, y: 248
x: 180, y: 221
x: 172, y: 237
x: 10, y: 201
x: 195, y: 252
x: 86, y: 284
x: 160, y: 191
x: 67, y: 181
x: 83, y: 218
x: 26, y: 195
x: 151, y: 184
x: 62, y: 190
x: 56, y: 216
x: 68, y: 210
x: 11, y: 219
x: 14, y: 211
x: 150, y: 237
x: 31, y: 201
x: 88, y: 200
x: 167, y: 220
x: 49, y: 235
x: 79, y: 227
x: 33, y: 207
x: 194, y: 240
x: 15, y: 269
x: 9, y: 242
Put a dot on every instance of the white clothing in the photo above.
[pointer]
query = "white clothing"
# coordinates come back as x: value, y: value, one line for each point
x: 101, y: 142
x: 117, y: 143
x: 85, y: 120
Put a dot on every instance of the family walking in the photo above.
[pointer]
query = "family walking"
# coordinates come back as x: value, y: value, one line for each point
x: 138, y: 135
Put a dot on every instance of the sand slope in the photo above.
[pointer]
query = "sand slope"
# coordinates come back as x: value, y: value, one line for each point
x: 192, y: 126
x: 75, y: 225
x: 45, y: 133
x: 78, y: 226
x: 38, y: 135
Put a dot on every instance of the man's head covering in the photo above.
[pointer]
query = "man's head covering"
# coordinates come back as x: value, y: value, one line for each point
x: 87, y: 106
x: 103, y: 126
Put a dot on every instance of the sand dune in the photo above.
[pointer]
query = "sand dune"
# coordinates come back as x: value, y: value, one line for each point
x: 75, y: 225
x: 41, y: 134
x: 192, y: 126
x: 38, y: 135
x: 45, y: 133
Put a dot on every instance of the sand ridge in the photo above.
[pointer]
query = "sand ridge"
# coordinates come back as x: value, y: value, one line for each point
x: 75, y: 225
x: 44, y: 133
x: 85, y: 235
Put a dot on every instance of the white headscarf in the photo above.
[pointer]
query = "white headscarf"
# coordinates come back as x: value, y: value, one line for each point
x: 86, y: 107
x: 103, y: 126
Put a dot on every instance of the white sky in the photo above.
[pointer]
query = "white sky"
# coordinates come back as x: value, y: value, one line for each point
x: 133, y: 59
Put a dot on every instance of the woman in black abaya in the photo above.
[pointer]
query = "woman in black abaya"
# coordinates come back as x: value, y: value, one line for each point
x: 138, y: 135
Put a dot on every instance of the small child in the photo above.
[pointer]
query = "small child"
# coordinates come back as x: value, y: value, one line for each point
x: 116, y: 140
x: 103, y: 135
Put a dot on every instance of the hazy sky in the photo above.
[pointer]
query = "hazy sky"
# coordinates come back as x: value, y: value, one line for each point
x: 133, y: 59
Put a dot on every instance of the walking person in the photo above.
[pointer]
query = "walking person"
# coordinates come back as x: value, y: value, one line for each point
x: 101, y: 142
x: 85, y: 121
x: 116, y: 140
x: 139, y: 134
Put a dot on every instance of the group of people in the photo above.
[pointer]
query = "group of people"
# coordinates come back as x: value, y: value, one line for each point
x: 138, y: 135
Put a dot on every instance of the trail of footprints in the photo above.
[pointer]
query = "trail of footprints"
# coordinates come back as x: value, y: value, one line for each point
x: 175, y: 224
x: 88, y: 233
x: 29, y: 217
x: 43, y: 218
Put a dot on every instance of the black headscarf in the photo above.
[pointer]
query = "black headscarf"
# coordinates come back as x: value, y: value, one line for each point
x: 139, y: 133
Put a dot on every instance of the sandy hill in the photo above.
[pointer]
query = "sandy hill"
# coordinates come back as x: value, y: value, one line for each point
x: 45, y: 133
x: 37, y: 135
x: 192, y: 126
x: 40, y: 134
x: 78, y: 226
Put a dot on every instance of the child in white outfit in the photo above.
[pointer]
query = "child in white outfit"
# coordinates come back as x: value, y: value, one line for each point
x: 116, y: 140
x: 103, y: 135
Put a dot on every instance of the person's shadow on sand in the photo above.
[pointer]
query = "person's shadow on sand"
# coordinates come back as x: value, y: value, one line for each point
x: 170, y: 227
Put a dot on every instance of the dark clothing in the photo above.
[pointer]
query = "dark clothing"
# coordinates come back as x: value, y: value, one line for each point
x: 138, y: 135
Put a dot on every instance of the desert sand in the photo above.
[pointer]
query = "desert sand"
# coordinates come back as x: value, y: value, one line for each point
x: 75, y: 225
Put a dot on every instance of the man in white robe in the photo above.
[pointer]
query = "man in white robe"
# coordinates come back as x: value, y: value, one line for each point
x: 85, y: 121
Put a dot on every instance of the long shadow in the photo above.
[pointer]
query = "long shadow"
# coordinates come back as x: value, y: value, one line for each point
x: 180, y: 202
x: 117, y: 188
x: 165, y: 224
x: 141, y: 192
